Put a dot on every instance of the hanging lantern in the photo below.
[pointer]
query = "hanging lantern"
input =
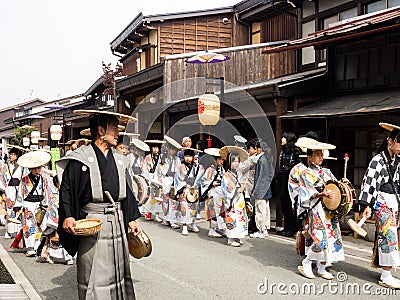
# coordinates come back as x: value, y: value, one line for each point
x: 26, y: 141
x: 35, y: 135
x: 55, y: 132
x: 208, y: 109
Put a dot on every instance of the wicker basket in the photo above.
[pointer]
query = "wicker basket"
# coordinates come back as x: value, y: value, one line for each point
x: 88, y: 227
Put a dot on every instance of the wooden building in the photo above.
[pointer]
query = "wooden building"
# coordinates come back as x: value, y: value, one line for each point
x: 362, y: 78
x: 153, y: 50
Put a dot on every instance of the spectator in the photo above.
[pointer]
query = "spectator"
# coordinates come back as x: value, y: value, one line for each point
x: 288, y: 158
x: 261, y: 191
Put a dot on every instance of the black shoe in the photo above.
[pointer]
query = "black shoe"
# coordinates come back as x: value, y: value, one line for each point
x: 280, y: 232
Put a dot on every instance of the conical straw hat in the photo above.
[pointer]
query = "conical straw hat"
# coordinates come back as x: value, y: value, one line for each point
x: 121, y: 117
x: 224, y: 152
x: 34, y: 159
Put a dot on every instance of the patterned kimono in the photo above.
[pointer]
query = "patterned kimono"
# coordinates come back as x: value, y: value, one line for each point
x: 186, y: 176
x: 377, y: 192
x: 325, y: 244
x: 154, y: 204
x: 235, y: 216
x: 12, y: 174
x: 52, y: 247
x: 164, y: 176
x: 294, y: 184
x: 137, y: 164
x: 150, y: 164
x: 33, y: 195
x: 214, y: 207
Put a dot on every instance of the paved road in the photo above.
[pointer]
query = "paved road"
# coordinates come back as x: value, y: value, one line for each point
x: 198, y: 267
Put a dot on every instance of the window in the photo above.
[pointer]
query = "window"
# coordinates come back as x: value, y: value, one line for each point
x: 308, y: 53
x: 347, y: 14
x: 327, y: 22
x: 393, y: 3
x: 375, y: 6
x: 380, y: 5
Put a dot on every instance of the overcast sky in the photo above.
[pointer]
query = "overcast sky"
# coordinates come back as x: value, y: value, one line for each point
x: 53, y: 49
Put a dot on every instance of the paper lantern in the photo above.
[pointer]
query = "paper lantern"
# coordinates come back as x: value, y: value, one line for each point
x: 55, y: 132
x: 208, y: 109
x: 35, y: 135
x: 26, y: 141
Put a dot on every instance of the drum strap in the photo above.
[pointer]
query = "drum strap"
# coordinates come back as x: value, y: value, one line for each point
x: 204, y: 195
x: 393, y: 186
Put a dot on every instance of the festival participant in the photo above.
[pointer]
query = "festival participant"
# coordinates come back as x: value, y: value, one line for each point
x: 232, y: 191
x: 325, y: 245
x: 122, y: 145
x: 239, y: 141
x: 3, y: 211
x: 288, y: 158
x: 103, y: 264
x: 186, y: 143
x: 136, y: 157
x: 185, y: 184
x: 211, y: 193
x: 164, y: 176
x: 294, y: 181
x: 33, y: 192
x: 152, y: 160
x: 248, y: 170
x: 12, y: 174
x: 261, y: 193
x: 137, y: 168
x: 50, y: 247
x: 380, y: 193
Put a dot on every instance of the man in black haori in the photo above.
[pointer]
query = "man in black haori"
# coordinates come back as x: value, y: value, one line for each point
x: 103, y: 268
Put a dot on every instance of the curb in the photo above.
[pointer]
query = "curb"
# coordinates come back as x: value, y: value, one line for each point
x: 18, y: 276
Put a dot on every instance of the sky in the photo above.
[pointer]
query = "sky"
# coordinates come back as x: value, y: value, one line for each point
x: 52, y: 49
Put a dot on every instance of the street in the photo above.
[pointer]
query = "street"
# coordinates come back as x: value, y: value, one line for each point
x: 199, y: 267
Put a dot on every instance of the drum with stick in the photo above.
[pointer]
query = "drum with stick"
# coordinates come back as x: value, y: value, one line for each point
x: 344, y: 194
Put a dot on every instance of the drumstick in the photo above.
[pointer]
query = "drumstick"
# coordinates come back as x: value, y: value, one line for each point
x: 346, y: 158
x: 357, y: 226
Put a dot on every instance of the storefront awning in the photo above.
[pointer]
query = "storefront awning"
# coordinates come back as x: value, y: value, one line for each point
x: 349, y: 105
x: 374, y: 23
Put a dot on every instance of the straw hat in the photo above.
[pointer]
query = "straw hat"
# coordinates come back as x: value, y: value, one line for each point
x: 213, y: 152
x: 70, y: 142
x: 121, y: 117
x: 225, y: 151
x: 34, y: 159
x: 193, y: 149
x: 129, y: 134
x: 172, y: 142
x: 140, y: 145
x: 312, y: 144
x: 155, y: 142
x: 327, y: 155
x: 388, y: 126
x: 86, y: 132
x: 240, y: 139
x: 82, y: 140
x: 17, y: 147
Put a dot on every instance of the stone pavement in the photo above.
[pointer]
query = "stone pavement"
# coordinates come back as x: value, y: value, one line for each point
x: 22, y: 289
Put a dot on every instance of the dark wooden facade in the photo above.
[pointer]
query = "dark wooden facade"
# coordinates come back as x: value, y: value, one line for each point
x: 245, y: 66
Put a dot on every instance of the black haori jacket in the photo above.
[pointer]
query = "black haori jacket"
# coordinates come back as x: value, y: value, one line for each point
x: 85, y: 174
